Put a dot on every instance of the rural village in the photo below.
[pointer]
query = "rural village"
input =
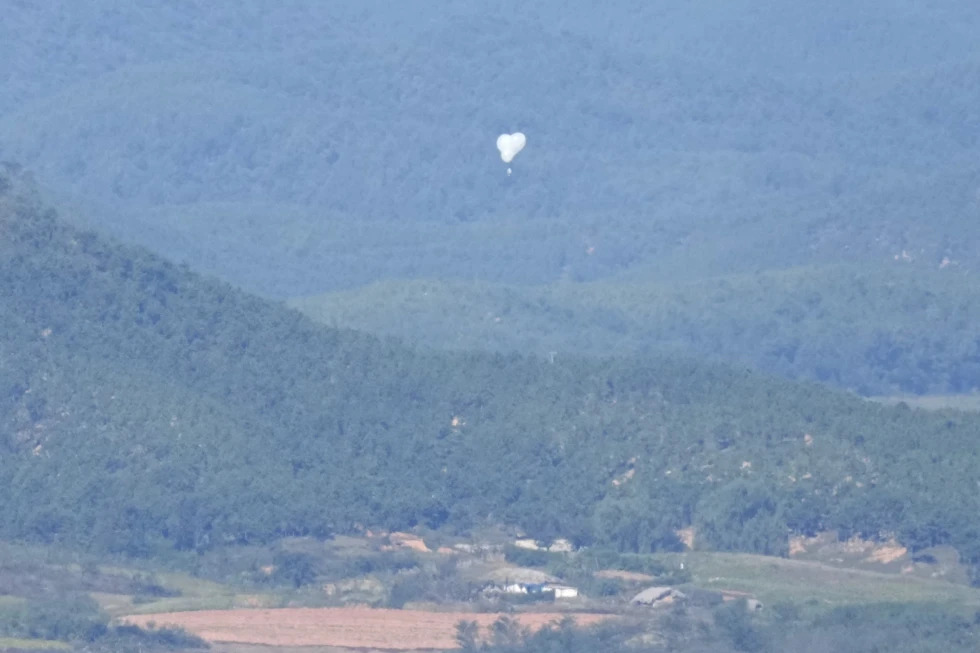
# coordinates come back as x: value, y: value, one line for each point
x: 414, y: 594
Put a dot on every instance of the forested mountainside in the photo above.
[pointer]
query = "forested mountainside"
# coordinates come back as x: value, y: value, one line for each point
x: 876, y: 331
x: 300, y: 148
x: 144, y: 406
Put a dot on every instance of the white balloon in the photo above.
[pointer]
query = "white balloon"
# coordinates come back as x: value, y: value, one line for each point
x: 510, y: 144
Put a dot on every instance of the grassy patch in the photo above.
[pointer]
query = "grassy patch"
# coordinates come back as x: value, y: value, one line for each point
x: 33, y: 644
x: 113, y: 604
x: 776, y: 580
x: 195, y: 594
x: 215, y: 602
x: 966, y: 402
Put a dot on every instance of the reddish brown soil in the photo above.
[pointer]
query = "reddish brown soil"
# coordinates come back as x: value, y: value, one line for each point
x: 352, y: 627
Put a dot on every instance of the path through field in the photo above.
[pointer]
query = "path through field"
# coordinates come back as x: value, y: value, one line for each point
x: 350, y: 627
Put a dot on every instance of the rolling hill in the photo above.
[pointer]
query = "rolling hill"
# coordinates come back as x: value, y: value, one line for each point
x: 874, y: 330
x: 145, y: 407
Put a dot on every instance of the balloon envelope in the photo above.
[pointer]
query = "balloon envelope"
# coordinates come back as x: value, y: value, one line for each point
x: 510, y: 144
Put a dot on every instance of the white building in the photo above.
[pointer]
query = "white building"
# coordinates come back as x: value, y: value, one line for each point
x: 561, y: 545
x: 562, y: 591
x: 527, y: 543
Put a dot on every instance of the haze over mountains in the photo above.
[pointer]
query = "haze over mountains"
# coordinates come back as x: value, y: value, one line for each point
x: 826, y: 158
x: 302, y: 148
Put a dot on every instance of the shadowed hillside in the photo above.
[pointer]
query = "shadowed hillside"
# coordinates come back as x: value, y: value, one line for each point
x: 873, y: 331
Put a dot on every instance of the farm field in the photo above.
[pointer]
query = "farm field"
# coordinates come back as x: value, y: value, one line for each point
x: 819, y: 585
x: 348, y: 627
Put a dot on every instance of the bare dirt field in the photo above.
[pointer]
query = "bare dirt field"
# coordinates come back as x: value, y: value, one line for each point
x: 350, y: 627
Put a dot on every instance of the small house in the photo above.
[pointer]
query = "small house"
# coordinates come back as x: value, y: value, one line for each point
x: 527, y: 543
x: 561, y: 545
x: 562, y: 591
x: 654, y: 596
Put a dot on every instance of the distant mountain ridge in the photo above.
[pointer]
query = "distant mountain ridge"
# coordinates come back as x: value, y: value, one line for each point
x: 334, y: 146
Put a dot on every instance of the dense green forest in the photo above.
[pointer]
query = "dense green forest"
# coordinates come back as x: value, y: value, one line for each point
x: 144, y: 407
x: 792, y: 190
x: 876, y: 331
x: 299, y: 148
x: 732, y: 220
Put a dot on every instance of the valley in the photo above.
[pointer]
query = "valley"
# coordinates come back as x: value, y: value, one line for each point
x: 415, y: 600
x: 293, y: 358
